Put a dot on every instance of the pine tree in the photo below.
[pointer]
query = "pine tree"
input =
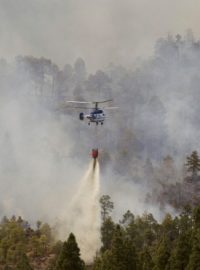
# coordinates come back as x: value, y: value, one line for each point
x: 121, y: 256
x: 69, y: 258
x: 106, y: 206
x: 128, y: 217
x: 182, y: 248
x: 107, y: 262
x: 194, y: 262
x: 146, y: 262
x: 162, y: 255
x: 107, y: 231
x: 180, y: 257
x: 185, y: 220
x: 193, y: 163
x: 196, y: 216
x: 118, y: 250
x: 130, y: 257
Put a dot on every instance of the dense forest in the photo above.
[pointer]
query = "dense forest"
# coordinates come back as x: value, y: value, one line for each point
x: 135, y: 242
x: 140, y: 242
x: 132, y: 243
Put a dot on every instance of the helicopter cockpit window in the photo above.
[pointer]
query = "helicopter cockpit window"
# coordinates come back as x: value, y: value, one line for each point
x: 99, y: 111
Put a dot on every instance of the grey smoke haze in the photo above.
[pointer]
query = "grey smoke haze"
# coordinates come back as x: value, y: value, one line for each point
x: 33, y: 170
x: 100, y: 31
x: 44, y: 154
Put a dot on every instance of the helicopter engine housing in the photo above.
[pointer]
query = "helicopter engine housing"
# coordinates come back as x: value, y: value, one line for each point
x: 81, y: 116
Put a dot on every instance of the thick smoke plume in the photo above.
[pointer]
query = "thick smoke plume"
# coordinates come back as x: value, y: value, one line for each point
x: 45, y: 147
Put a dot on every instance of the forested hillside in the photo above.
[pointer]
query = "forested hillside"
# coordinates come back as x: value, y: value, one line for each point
x: 148, y: 158
x: 134, y: 242
x: 140, y: 242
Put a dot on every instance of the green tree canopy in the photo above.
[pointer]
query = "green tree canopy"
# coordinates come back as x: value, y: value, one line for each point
x: 107, y: 231
x: 106, y: 206
x: 146, y: 262
x: 181, y: 252
x: 193, y: 163
x: 69, y: 258
x: 162, y: 254
x: 194, y: 261
x: 121, y: 256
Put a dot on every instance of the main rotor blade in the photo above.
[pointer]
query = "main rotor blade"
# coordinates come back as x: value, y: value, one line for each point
x: 78, y: 102
x: 75, y: 107
x: 103, y: 101
x: 87, y: 102
x: 65, y: 106
x: 111, y: 108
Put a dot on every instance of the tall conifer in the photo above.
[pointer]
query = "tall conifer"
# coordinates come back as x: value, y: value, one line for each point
x: 69, y: 258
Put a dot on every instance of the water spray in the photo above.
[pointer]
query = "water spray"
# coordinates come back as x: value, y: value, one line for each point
x: 84, y: 211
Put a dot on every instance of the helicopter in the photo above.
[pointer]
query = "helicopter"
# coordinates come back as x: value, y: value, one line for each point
x: 97, y: 115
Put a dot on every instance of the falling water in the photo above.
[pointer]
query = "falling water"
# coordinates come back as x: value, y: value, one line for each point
x: 85, y: 212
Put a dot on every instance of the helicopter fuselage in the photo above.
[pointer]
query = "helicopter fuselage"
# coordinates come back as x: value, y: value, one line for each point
x: 96, y: 116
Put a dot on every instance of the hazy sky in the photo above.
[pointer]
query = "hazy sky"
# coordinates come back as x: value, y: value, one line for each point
x: 100, y: 31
